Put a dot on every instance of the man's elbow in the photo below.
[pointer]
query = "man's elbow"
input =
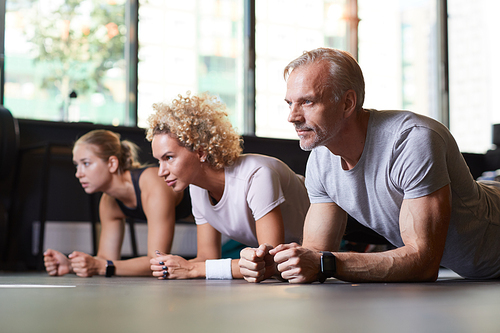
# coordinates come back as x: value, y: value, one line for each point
x: 430, y: 276
x: 424, y: 265
x: 427, y: 273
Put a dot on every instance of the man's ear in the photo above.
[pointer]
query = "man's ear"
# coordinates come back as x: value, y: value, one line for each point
x: 349, y: 101
x: 113, y: 164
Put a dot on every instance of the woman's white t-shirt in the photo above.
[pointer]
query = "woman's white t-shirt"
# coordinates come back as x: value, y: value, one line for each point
x: 254, y: 186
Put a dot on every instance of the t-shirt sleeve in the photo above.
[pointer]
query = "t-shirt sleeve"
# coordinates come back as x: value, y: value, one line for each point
x: 314, y: 177
x: 264, y: 192
x: 420, y: 162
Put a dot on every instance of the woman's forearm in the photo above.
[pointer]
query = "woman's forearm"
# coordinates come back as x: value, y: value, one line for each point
x: 139, y: 266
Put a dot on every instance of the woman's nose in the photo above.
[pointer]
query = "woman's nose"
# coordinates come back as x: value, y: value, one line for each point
x: 162, y: 170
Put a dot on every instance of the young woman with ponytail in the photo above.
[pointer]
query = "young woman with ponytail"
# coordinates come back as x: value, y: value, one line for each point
x: 104, y: 163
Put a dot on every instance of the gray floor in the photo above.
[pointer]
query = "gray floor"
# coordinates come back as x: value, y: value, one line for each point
x: 35, y: 302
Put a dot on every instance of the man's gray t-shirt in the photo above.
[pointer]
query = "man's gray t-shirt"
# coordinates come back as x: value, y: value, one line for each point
x: 409, y: 156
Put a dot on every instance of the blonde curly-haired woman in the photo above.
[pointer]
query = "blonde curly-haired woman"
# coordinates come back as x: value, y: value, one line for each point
x: 254, y: 199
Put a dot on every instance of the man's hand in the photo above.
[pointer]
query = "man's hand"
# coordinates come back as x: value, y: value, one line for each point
x: 56, y: 263
x: 296, y: 263
x: 256, y: 264
x: 85, y: 265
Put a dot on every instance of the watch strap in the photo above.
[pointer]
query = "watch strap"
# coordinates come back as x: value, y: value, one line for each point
x: 110, y: 268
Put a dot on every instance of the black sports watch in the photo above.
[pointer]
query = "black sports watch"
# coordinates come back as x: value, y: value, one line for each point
x: 328, y: 266
x: 110, y: 268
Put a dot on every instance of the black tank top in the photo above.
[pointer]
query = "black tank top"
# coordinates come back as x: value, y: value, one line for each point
x: 138, y: 212
x: 182, y: 210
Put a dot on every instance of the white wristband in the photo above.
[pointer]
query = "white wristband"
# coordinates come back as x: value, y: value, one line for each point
x: 218, y: 269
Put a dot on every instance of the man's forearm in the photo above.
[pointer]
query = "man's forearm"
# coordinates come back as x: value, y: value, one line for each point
x: 399, y: 265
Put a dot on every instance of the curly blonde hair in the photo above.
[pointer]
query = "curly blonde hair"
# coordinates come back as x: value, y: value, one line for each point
x: 198, y: 122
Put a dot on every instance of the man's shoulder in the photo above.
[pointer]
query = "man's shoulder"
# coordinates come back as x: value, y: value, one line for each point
x: 399, y: 126
x: 403, y: 119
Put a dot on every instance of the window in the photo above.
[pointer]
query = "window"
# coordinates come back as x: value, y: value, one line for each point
x: 474, y: 72
x: 285, y: 29
x: 191, y: 45
x: 398, y: 55
x: 402, y: 72
x: 64, y: 60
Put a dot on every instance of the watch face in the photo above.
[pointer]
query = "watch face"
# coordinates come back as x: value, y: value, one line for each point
x: 328, y: 264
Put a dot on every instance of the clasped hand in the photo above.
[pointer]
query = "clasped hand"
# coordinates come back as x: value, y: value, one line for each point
x: 82, y: 264
x: 168, y: 266
x: 286, y: 261
x: 257, y: 264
